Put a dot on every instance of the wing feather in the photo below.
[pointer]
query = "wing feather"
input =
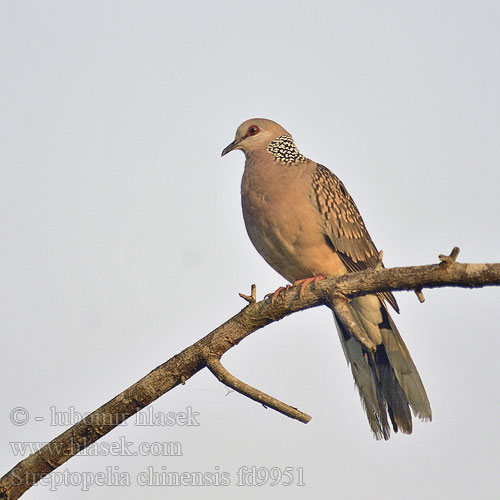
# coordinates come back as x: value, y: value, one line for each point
x: 345, y: 230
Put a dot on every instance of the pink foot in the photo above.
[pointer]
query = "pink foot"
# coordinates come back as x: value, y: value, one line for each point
x: 304, y: 283
x: 275, y: 295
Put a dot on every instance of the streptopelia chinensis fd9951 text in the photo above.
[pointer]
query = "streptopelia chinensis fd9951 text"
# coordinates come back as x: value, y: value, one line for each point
x: 304, y: 223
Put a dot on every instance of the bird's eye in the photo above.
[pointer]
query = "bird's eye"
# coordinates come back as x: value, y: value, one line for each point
x: 253, y: 130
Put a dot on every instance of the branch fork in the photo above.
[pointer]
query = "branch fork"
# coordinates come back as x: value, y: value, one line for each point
x: 252, y: 298
x: 446, y: 260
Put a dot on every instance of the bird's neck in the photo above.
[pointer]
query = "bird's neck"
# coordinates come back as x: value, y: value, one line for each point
x: 284, y: 150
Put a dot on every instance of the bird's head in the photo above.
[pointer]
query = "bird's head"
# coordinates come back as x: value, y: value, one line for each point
x: 254, y: 135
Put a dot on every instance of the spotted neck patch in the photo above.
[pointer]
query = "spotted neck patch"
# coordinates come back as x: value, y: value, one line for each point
x: 284, y: 150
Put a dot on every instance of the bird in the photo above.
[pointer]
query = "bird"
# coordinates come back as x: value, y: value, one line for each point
x: 304, y: 223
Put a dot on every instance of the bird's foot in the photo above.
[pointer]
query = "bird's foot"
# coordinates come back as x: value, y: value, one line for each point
x: 304, y: 283
x: 274, y: 296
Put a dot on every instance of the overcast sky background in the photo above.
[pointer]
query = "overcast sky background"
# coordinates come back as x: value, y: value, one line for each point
x: 123, y: 241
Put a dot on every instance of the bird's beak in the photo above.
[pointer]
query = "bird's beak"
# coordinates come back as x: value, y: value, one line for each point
x: 230, y: 147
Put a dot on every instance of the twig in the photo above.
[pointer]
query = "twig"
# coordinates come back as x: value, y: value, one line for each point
x: 215, y: 366
x: 379, y: 264
x: 252, y: 297
x: 420, y: 295
x: 449, y: 259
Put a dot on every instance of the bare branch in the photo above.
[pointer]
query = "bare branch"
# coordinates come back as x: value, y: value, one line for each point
x: 420, y: 295
x: 256, y: 315
x: 215, y: 366
x: 449, y: 259
x: 252, y: 297
x: 339, y: 305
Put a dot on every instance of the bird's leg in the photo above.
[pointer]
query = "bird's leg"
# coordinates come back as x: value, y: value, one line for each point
x: 303, y: 283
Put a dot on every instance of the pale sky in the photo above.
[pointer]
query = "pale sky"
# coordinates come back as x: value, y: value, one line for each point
x: 123, y: 240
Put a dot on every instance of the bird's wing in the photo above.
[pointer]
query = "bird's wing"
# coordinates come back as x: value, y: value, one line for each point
x: 345, y: 230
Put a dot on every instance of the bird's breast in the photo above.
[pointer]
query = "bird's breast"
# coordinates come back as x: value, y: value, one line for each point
x: 282, y: 222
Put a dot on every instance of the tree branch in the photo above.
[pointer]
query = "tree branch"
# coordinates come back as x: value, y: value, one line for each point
x: 215, y: 366
x: 339, y: 305
x: 256, y: 315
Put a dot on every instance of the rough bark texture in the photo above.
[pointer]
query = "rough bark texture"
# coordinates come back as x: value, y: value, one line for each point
x: 256, y: 315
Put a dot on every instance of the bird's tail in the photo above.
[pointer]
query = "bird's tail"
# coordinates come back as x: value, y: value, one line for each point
x: 387, y: 380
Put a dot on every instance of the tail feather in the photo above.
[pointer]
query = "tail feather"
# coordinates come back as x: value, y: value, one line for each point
x: 405, y: 370
x: 396, y: 400
x: 368, y: 388
x: 387, y: 380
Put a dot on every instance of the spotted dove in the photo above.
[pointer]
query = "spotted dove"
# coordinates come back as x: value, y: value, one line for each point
x: 301, y: 219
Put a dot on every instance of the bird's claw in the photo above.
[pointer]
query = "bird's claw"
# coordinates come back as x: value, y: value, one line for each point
x: 304, y: 283
x: 274, y: 296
